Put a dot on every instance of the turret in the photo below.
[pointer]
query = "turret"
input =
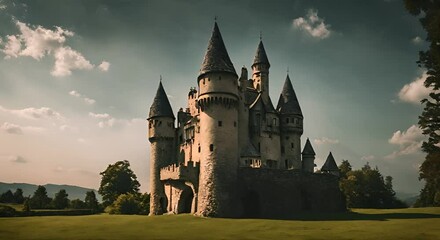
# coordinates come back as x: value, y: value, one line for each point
x: 260, y: 71
x: 161, y: 134
x: 291, y: 120
x: 330, y: 166
x: 308, y: 157
x: 218, y: 102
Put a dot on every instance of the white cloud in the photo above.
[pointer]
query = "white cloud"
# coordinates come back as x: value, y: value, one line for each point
x: 66, y: 60
x: 17, y: 129
x: 107, y: 123
x: 409, y: 141
x: 2, y: 7
x: 87, y: 100
x: 417, y: 40
x: 368, y: 158
x: 415, y: 91
x: 312, y: 25
x: 104, y: 66
x: 99, y: 115
x: 325, y: 140
x: 12, y: 47
x: 33, y: 113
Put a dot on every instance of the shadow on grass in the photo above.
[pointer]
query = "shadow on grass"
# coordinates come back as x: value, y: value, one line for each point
x: 353, y: 216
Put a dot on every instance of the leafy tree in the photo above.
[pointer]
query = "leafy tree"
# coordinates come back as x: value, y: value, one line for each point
x: 40, y: 199
x: 61, y: 201
x: 91, y: 202
x: 344, y: 168
x: 7, y: 197
x: 428, y: 12
x: 144, y: 204
x: 117, y: 179
x: 27, y: 205
x: 18, y: 196
x: 77, y: 204
x: 125, y: 204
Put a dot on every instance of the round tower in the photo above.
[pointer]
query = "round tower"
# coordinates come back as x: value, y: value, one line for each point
x: 218, y: 102
x: 308, y: 157
x: 260, y: 71
x: 291, y: 120
x: 161, y: 134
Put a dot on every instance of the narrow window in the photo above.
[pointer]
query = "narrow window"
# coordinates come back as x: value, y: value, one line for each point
x: 287, y: 120
x: 220, y: 123
x: 235, y: 123
x: 211, y: 147
x: 291, y: 145
x: 285, y: 163
x: 199, y: 149
x: 259, y: 147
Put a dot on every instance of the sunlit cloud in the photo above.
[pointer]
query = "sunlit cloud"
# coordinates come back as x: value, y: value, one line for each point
x: 325, y: 140
x: 409, y: 142
x: 17, y: 129
x: 312, y: 25
x: 87, y: 100
x: 415, y: 91
x: 33, y: 113
x: 104, y: 66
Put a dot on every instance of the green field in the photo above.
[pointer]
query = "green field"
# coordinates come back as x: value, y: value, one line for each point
x: 413, y: 223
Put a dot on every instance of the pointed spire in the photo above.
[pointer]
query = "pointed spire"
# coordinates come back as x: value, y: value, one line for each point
x: 161, y: 106
x: 288, y: 102
x: 216, y: 57
x: 308, y: 149
x: 260, y: 55
x: 330, y: 164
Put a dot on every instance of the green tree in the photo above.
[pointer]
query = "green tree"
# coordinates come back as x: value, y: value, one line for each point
x: 7, y: 197
x: 77, y: 204
x: 144, y: 200
x: 428, y: 12
x: 40, y: 199
x: 18, y: 196
x: 61, y: 201
x: 91, y: 202
x: 117, y: 179
x: 344, y: 168
x: 27, y: 205
x: 125, y: 204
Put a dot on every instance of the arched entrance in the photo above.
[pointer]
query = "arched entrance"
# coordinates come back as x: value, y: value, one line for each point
x: 163, y: 204
x: 251, y: 204
x: 185, y: 201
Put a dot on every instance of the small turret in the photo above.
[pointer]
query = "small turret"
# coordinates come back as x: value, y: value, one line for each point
x: 330, y: 166
x: 244, y: 83
x: 260, y: 71
x: 308, y: 157
x: 161, y: 134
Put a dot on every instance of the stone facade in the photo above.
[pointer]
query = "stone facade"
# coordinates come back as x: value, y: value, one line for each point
x: 232, y: 153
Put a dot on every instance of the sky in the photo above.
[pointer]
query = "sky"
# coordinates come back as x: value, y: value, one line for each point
x: 77, y: 79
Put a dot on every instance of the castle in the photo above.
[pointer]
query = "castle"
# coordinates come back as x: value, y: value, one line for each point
x: 232, y: 153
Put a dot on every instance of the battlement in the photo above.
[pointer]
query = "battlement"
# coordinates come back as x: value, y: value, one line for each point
x: 188, y: 172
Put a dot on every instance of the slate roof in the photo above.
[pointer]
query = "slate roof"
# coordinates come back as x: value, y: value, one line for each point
x: 330, y: 164
x: 308, y: 149
x: 288, y: 102
x: 161, y: 106
x: 216, y: 57
x: 260, y: 55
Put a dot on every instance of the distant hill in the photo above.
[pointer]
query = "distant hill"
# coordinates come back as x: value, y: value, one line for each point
x: 74, y: 192
x: 408, y: 198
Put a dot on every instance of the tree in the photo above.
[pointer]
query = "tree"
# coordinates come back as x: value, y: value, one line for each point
x: 77, y: 204
x: 40, y: 199
x: 7, y: 197
x: 344, y: 168
x: 144, y: 204
x: 18, y: 196
x: 27, y: 205
x: 61, y: 201
x: 91, y: 202
x: 429, y: 120
x: 125, y: 204
x: 117, y: 179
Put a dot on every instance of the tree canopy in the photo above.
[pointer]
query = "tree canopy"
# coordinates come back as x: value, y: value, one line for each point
x: 61, y: 201
x: 428, y: 12
x: 40, y: 199
x: 117, y: 179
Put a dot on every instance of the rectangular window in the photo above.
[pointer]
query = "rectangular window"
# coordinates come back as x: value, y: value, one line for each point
x: 220, y: 123
x: 235, y: 123
x: 291, y: 145
x: 287, y: 120
x: 211, y: 147
x: 199, y: 148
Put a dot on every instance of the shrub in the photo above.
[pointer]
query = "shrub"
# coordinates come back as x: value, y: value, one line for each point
x: 6, y: 211
x: 125, y: 204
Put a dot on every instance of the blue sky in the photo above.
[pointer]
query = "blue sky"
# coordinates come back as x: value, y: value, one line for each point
x: 77, y: 79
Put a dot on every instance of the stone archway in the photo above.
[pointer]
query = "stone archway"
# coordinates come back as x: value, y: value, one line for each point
x: 251, y: 204
x: 185, y: 201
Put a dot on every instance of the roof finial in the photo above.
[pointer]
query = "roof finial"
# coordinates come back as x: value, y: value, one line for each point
x: 160, y: 77
x: 287, y: 70
x: 215, y: 18
x: 261, y: 35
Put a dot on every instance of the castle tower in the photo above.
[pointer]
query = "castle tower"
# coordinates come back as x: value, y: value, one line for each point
x: 218, y: 101
x: 260, y: 71
x: 291, y: 120
x: 161, y: 135
x: 330, y: 166
x: 308, y: 157
x: 243, y: 112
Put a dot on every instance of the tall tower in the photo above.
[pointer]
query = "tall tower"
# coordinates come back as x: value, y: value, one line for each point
x: 291, y: 120
x: 260, y: 71
x: 161, y: 135
x: 218, y: 101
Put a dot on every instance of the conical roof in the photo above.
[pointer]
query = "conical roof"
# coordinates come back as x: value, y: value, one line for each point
x: 288, y: 102
x: 260, y: 55
x: 161, y: 106
x: 216, y: 57
x: 308, y: 149
x: 330, y: 164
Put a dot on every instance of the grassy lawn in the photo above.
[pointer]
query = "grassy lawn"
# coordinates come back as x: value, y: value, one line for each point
x: 415, y: 223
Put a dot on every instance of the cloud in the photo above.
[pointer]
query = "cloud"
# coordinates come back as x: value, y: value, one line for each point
x: 38, y: 42
x: 66, y: 60
x: 368, y: 158
x: 325, y: 140
x: 13, y: 158
x: 415, y: 91
x: 16, y: 129
x: 99, y: 115
x: 312, y: 25
x: 87, y: 100
x: 417, y: 40
x: 409, y: 142
x: 104, y: 66
x: 105, y: 119
x: 33, y: 113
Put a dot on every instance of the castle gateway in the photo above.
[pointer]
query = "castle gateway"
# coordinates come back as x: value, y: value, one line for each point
x: 233, y: 154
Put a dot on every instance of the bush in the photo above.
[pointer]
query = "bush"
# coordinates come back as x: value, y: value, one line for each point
x: 125, y: 204
x: 6, y: 211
